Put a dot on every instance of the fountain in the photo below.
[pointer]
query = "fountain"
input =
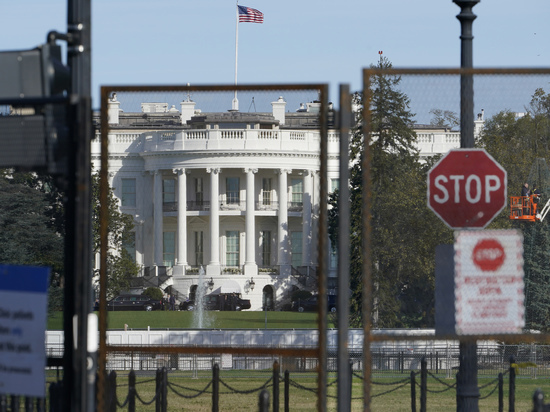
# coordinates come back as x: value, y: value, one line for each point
x: 200, y: 318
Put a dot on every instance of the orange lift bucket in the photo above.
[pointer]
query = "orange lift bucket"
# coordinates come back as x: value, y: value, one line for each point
x: 523, y: 208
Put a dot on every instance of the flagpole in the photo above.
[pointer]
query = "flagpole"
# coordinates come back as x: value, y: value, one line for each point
x: 235, y: 104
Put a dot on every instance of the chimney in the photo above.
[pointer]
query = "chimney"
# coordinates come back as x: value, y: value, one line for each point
x: 279, y: 110
x: 187, y: 111
x: 113, y: 109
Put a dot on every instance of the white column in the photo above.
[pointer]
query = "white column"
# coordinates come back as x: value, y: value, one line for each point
x: 306, y: 218
x: 158, y: 217
x: 250, y: 266
x: 213, y: 267
x: 181, y: 253
x: 283, y: 232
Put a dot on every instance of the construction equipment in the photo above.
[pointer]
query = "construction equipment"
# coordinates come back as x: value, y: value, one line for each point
x: 526, y: 208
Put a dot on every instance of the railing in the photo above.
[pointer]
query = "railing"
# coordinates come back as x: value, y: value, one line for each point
x: 232, y: 270
x: 267, y: 205
x: 170, y: 206
x: 295, y: 206
x: 198, y: 205
x: 232, y: 205
x: 268, y: 270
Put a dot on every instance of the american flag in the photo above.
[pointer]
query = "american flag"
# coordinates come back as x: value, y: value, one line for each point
x: 250, y: 15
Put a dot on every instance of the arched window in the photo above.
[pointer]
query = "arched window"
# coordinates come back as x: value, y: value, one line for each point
x: 192, y: 292
x: 267, y: 298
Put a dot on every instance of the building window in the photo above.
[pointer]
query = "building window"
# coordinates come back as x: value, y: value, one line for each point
x: 266, y: 191
x: 128, y: 192
x: 266, y: 248
x: 199, y: 251
x: 168, y: 191
x: 334, y: 185
x: 232, y: 190
x: 297, y: 192
x: 232, y: 248
x: 333, y: 257
x: 169, y: 248
x: 296, y: 248
x: 199, y: 191
x: 129, y: 244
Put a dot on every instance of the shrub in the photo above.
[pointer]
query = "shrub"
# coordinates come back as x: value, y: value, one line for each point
x: 300, y: 294
x: 153, y: 293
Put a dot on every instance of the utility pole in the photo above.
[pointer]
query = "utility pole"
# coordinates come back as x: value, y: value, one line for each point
x: 467, y: 388
x: 79, y: 364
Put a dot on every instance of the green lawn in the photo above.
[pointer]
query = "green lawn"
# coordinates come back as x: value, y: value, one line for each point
x: 242, y: 393
x: 214, y: 319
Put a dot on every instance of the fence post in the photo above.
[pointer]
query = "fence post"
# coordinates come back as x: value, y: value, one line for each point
x: 413, y: 392
x: 158, y: 383
x: 538, y: 401
x: 41, y: 405
x: 164, y: 389
x: 29, y: 404
x: 500, y: 393
x: 111, y: 397
x: 512, y: 383
x: 14, y: 403
x: 436, y: 362
x: 402, y: 362
x: 287, y: 391
x: 4, y: 399
x: 275, y: 386
x: 56, y: 398
x: 423, y: 383
x: 132, y: 391
x: 215, y: 387
x: 264, y: 401
x: 350, y: 379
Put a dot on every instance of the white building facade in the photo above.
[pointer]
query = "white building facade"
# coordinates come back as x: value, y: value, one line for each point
x: 236, y: 194
x: 228, y: 195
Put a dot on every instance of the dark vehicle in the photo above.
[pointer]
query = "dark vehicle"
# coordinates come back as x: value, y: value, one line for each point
x: 134, y: 302
x: 222, y: 301
x: 310, y: 304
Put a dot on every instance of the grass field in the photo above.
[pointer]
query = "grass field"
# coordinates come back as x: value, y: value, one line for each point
x: 300, y: 399
x: 216, y: 320
x: 239, y: 393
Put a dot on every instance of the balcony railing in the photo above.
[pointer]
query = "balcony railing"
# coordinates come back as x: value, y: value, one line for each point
x: 232, y: 270
x: 198, y: 205
x: 232, y: 205
x: 170, y: 207
x: 270, y: 205
x: 295, y: 206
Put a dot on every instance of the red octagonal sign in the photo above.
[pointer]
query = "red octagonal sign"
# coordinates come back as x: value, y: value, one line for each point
x: 467, y: 188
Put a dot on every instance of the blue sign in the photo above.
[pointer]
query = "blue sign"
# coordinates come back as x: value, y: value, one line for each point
x: 23, y: 315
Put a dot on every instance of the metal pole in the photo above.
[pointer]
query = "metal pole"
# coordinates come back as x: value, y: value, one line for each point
x: 79, y: 369
x: 344, y: 372
x: 467, y: 389
x: 466, y: 18
x: 275, y: 386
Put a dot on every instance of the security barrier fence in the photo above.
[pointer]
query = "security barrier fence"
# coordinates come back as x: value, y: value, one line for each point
x: 531, y: 361
x: 163, y: 159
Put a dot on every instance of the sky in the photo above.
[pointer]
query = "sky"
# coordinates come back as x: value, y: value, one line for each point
x: 145, y: 42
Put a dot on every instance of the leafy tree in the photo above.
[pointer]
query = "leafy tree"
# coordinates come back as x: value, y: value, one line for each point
x: 518, y: 143
x: 154, y: 293
x: 404, y: 231
x: 444, y: 118
x: 29, y: 223
x: 120, y: 265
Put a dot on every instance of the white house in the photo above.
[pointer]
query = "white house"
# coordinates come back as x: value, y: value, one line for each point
x: 234, y: 193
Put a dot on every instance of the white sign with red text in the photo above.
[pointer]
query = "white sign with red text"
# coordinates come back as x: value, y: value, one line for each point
x: 489, y: 287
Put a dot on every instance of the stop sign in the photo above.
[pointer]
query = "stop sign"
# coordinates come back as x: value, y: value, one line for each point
x: 467, y: 188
